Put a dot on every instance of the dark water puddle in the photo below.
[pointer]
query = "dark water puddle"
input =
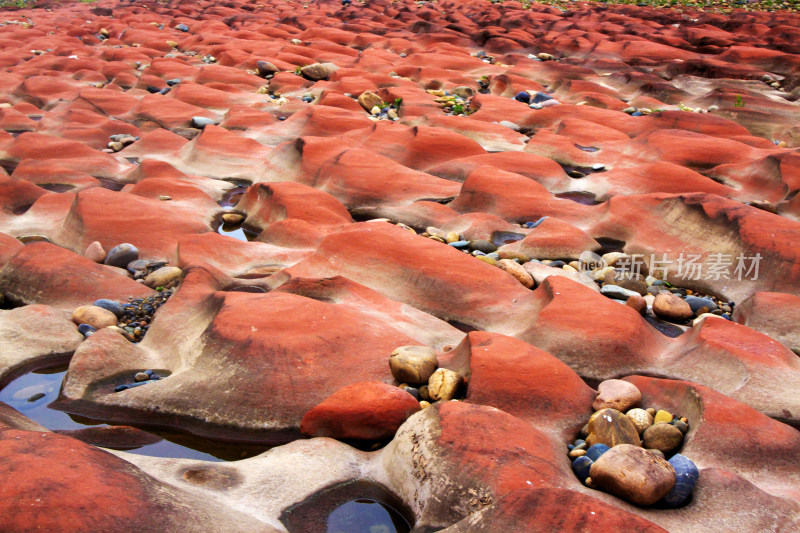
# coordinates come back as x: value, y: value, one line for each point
x: 466, y: 328
x: 499, y: 238
x: 585, y: 198
x: 577, y: 172
x: 34, y: 393
x: 110, y: 184
x: 665, y: 328
x: 360, y: 506
x: 133, y: 160
x: 8, y: 166
x: 33, y: 238
x: 609, y: 245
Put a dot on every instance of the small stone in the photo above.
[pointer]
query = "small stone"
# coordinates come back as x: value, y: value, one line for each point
x: 640, y: 418
x: 423, y: 393
x: 368, y: 100
x: 392, y: 114
x: 484, y: 246
x: 164, y: 277
x: 696, y: 303
x: 459, y: 244
x: 633, y: 474
x: 413, y: 364
x: 517, y: 271
x: 265, y: 68
x: 112, y: 305
x: 141, y: 376
x: 424, y: 404
x: 318, y: 71
x: 617, y: 292
x: 544, y: 56
x: 574, y: 454
x: 596, y: 450
x: 610, y: 427
x: 662, y: 416
x: 375, y: 110
x: 701, y: 318
x: 681, y: 425
x: 657, y: 453
x: 638, y: 303
x: 35, y: 397
x: 121, y: 255
x: 486, y: 259
x: 233, y: 219
x: 651, y: 411
x: 95, y: 252
x: 182, y: 27
x: 444, y: 384
x: 452, y: 237
x: 670, y: 306
x: 202, y: 122
x: 686, y: 475
x: 413, y: 392
x: 523, y: 96
x: 463, y: 91
x: 617, y: 394
x: 97, y: 317
x: 581, y: 466
x: 662, y: 436
x: 86, y: 330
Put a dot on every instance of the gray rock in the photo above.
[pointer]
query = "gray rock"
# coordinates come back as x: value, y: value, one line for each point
x: 121, y: 255
x: 617, y: 292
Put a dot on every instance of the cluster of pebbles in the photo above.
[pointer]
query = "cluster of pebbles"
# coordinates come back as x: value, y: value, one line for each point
x: 417, y: 370
x: 456, y: 102
x: 132, y: 318
x: 377, y: 108
x: 536, y: 99
x: 631, y: 452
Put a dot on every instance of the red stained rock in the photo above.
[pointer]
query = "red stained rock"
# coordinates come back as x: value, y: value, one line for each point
x: 43, y: 272
x: 362, y: 411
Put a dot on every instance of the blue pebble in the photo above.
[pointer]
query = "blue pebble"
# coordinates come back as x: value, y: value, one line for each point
x: 281, y: 118
x: 86, y: 329
x: 523, y: 96
x: 165, y: 90
x: 202, y: 122
x: 182, y: 27
x: 636, y: 114
x: 531, y: 225
x: 581, y: 467
x: 173, y: 82
x: 476, y: 253
x: 493, y: 255
x: 578, y: 442
x: 111, y: 305
x: 686, y: 475
x: 596, y: 450
x: 540, y: 97
x: 121, y: 255
x: 149, y: 372
x: 88, y: 334
x: 413, y: 392
x: 570, y: 447
x: 120, y: 388
x: 459, y: 244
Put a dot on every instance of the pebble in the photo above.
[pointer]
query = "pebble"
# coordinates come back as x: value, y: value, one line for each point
x: 37, y: 396
x: 265, y: 68
x: 489, y: 260
x: 517, y: 271
x: 651, y: 411
x: 165, y: 277
x: 233, y: 219
x: 617, y: 394
x: 444, y: 384
x: 610, y: 427
x: 182, y: 27
x: 617, y: 292
x: 581, y: 466
x: 662, y: 436
x: 681, y: 425
x: 202, y: 122
x: 686, y: 475
x: 670, y: 306
x: 95, y: 252
x: 121, y: 255
x: 424, y: 404
x: 94, y: 316
x: 413, y: 392
x: 633, y: 474
x: 111, y: 305
x: 638, y: 303
x: 141, y: 376
x: 86, y: 330
x: 413, y: 364
x: 640, y: 418
x: 459, y: 244
x: 657, y: 453
x: 369, y: 100
x: 596, y: 450
x: 423, y: 393
x: 531, y: 225
x: 523, y: 96
x: 662, y: 416
x: 574, y: 454
x: 463, y: 91
x: 483, y: 246
x: 696, y: 303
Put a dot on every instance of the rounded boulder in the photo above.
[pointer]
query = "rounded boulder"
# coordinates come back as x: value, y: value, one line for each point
x: 633, y: 474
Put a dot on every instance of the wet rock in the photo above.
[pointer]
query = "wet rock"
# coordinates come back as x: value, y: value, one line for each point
x: 670, y: 306
x: 363, y: 411
x: 610, y: 427
x: 638, y: 303
x: 318, y: 71
x: 616, y: 394
x: 581, y: 467
x: 265, y: 68
x: 596, y: 450
x: 97, y: 317
x: 121, y: 255
x: 165, y: 277
x: 232, y: 218
x: 413, y: 364
x: 697, y: 303
x: 662, y: 436
x: 662, y: 416
x: 141, y: 376
x: 633, y: 474
x: 444, y: 384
